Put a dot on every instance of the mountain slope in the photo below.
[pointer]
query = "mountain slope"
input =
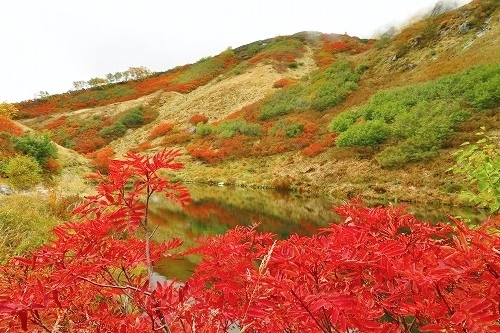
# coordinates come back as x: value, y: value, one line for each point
x: 270, y: 104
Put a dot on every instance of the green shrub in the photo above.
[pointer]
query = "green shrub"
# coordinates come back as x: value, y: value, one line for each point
x: 479, y: 164
x: 421, y: 116
x: 331, y: 86
x: 294, y: 130
x: 114, y: 131
x: 228, y: 129
x: 133, y: 117
x: 324, y: 90
x: 23, y: 171
x: 40, y: 147
x: 414, y: 149
x: 369, y: 133
x: 203, y: 129
x: 343, y: 121
x: 361, y: 69
x: 283, y: 102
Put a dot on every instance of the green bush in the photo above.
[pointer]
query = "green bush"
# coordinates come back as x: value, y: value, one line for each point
x: 23, y: 171
x: 369, y: 133
x: 203, y: 129
x: 361, y: 69
x: 324, y: 90
x: 38, y: 146
x: 114, y: 131
x: 479, y: 163
x: 343, y: 121
x: 228, y: 129
x: 421, y: 116
x: 133, y: 117
x: 283, y: 102
x: 414, y: 149
x: 294, y: 130
x: 331, y: 86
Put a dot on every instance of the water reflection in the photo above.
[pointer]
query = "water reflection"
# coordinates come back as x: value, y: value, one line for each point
x: 215, y: 210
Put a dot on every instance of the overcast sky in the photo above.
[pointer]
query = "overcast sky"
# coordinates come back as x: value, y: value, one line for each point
x: 48, y: 44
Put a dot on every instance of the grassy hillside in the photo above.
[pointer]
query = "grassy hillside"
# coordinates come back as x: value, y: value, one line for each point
x: 311, y: 112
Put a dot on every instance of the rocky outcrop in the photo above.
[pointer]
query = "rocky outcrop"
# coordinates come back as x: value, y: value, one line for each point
x: 443, y: 6
x: 6, y: 190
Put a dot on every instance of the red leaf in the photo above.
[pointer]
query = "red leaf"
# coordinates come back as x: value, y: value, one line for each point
x: 254, y: 312
x: 55, y: 295
x: 23, y: 317
x: 478, y: 306
x: 457, y: 318
x: 319, y: 304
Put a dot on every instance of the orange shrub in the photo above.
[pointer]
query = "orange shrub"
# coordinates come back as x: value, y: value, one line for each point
x: 160, y: 130
x: 6, y: 146
x: 102, y: 158
x: 334, y: 47
x: 59, y: 122
x: 309, y: 128
x: 198, y: 118
x: 316, y: 148
x: 88, y: 141
x: 7, y: 125
x: 176, y: 138
x: 313, y: 150
x: 52, y: 166
x: 284, y: 82
x: 205, y: 152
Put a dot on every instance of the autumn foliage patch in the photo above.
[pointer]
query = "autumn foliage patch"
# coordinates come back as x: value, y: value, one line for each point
x: 198, y: 118
x: 284, y: 82
x: 160, y: 130
x: 7, y: 125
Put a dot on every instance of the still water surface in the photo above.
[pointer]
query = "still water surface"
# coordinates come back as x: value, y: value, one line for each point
x: 215, y: 210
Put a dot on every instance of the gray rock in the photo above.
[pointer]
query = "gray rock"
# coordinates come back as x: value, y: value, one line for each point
x: 6, y: 190
x: 463, y: 28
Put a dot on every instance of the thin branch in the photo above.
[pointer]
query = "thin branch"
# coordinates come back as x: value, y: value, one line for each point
x: 103, y: 285
x: 324, y: 329
x: 444, y: 299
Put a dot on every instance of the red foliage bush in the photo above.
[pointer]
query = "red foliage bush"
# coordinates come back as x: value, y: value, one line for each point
x: 101, y: 159
x: 7, y: 125
x: 88, y: 141
x: 284, y: 82
x: 205, y: 152
x: 160, y: 130
x: 176, y: 138
x: 337, y: 46
x: 6, y: 146
x: 318, y: 147
x: 52, y: 166
x: 313, y: 150
x: 59, y: 122
x: 380, y: 270
x: 198, y: 118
